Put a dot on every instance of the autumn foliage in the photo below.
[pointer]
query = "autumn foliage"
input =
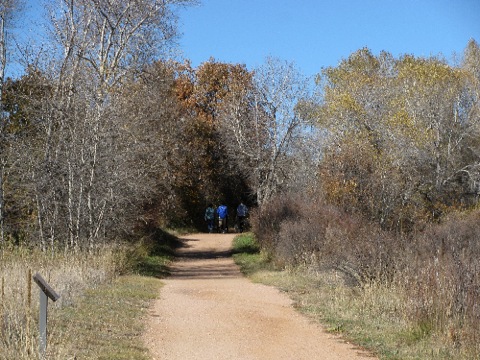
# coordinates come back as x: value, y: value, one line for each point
x: 396, y: 195
x: 205, y: 173
x: 401, y: 137
x: 374, y: 170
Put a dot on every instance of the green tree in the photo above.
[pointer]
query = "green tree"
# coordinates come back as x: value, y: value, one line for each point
x: 9, y: 10
x: 23, y: 104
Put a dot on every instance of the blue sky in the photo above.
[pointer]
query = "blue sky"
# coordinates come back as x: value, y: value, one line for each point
x: 316, y: 34
x: 312, y: 33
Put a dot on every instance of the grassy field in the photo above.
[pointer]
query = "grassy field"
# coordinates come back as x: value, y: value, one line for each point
x: 107, y: 322
x: 104, y: 298
x: 371, y: 316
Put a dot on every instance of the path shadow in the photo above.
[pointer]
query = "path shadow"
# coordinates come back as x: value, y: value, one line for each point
x: 206, y: 272
x: 203, y: 264
x: 204, y: 255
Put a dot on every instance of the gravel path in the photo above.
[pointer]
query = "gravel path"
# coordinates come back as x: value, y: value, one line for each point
x: 208, y: 310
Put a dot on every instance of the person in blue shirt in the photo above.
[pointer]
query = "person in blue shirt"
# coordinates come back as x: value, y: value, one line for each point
x: 209, y: 217
x: 242, y: 211
x: 222, y: 212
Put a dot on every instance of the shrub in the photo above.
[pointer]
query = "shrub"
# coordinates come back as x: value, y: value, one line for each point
x: 297, y: 230
x: 434, y: 272
x: 266, y: 222
x: 443, y: 277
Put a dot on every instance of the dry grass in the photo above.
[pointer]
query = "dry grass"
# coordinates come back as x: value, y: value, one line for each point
x: 96, y: 315
x: 378, y: 315
x: 107, y: 322
x: 372, y: 317
x: 68, y: 274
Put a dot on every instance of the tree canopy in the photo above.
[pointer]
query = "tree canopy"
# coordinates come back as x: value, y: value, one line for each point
x: 110, y: 134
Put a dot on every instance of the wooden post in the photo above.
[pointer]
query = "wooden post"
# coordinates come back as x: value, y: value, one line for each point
x: 45, y: 293
x: 42, y: 322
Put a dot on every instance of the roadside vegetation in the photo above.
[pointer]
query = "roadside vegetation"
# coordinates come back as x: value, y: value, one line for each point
x: 400, y: 298
x: 365, y: 184
x: 104, y: 296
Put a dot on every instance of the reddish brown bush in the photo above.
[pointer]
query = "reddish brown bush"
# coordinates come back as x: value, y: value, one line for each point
x: 437, y: 268
x: 297, y: 230
x: 443, y: 276
x: 266, y: 223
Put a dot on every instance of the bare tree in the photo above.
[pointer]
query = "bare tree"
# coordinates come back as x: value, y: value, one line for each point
x: 88, y: 148
x: 261, y: 123
x: 9, y: 9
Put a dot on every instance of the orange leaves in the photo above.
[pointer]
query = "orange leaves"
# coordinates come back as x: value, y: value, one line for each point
x: 202, y: 91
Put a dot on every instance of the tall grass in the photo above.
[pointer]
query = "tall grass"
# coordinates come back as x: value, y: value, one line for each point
x: 443, y: 280
x: 432, y: 276
x: 69, y: 274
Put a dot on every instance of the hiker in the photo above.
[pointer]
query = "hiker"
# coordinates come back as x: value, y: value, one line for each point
x: 222, y: 212
x: 209, y: 217
x: 242, y: 211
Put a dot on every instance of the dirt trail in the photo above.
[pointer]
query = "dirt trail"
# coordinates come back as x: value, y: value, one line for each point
x: 208, y: 310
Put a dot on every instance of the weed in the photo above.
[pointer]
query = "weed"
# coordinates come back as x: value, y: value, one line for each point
x: 418, y: 311
x: 106, y: 322
x: 98, y: 314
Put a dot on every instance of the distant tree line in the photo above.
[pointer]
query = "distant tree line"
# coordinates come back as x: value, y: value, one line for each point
x: 105, y: 135
x: 402, y: 145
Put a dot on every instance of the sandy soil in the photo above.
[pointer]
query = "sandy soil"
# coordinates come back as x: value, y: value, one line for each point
x: 208, y: 310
